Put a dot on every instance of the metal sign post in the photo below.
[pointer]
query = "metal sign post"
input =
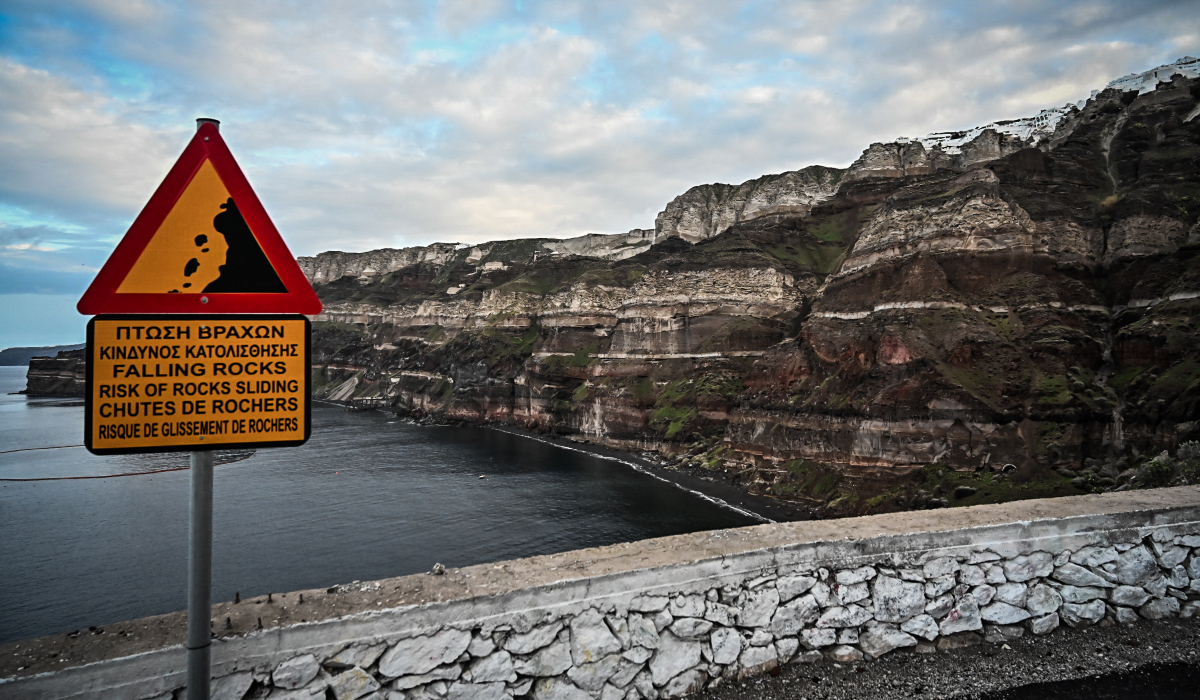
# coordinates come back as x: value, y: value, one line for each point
x: 199, y: 633
x: 197, y: 343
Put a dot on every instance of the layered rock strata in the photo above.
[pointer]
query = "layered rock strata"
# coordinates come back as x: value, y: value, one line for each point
x: 62, y: 375
x: 966, y: 331
x: 336, y: 265
x: 705, y: 211
x: 908, y: 158
x: 433, y: 259
x: 606, y: 247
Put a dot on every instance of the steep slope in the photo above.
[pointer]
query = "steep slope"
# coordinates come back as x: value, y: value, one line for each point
x: 1001, y: 315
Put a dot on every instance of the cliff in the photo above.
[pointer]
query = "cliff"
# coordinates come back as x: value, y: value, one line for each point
x: 336, y: 265
x: 1004, y: 313
x: 63, y: 375
x: 705, y: 211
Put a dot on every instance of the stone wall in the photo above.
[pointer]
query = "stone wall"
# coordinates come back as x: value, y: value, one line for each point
x: 663, y: 618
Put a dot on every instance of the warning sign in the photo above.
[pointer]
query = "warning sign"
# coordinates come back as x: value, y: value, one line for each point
x: 202, y: 244
x: 161, y: 383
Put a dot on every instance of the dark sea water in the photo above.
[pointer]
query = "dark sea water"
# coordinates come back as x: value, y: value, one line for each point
x: 368, y: 497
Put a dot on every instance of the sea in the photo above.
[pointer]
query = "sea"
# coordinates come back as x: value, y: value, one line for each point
x: 88, y: 540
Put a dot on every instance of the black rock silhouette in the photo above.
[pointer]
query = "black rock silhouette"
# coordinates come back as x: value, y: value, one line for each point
x: 246, y: 268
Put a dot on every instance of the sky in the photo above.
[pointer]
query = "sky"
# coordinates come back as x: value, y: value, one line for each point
x: 364, y: 125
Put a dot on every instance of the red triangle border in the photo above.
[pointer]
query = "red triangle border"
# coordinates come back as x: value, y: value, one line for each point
x: 101, y: 296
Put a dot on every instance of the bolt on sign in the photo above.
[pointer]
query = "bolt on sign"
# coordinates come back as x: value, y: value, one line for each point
x: 198, y: 341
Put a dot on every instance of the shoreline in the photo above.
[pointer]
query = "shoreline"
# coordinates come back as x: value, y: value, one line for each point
x: 710, y: 488
x: 725, y: 495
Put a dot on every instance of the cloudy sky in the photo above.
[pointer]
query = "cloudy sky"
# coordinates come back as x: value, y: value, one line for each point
x: 373, y: 124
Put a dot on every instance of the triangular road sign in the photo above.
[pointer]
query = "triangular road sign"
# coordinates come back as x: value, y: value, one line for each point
x: 203, y: 244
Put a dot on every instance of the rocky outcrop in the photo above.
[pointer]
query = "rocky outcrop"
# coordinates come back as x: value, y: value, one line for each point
x: 334, y: 265
x: 900, y: 159
x: 617, y: 246
x: 707, y: 210
x: 908, y: 158
x: 62, y: 375
x: 430, y: 261
x: 1146, y: 236
x: 965, y: 330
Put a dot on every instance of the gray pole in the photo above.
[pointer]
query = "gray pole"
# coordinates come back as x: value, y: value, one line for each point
x: 199, y: 617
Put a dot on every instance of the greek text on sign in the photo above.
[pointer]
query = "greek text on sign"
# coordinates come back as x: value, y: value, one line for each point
x: 172, y: 382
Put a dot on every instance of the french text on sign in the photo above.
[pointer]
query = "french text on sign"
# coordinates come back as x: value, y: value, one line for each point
x: 174, y: 383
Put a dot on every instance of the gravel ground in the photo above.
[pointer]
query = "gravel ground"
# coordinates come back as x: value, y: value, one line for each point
x: 1148, y: 661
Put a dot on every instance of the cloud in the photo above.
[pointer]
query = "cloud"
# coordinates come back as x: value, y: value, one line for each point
x: 30, y: 246
x: 456, y: 16
x: 76, y: 154
x: 19, y: 277
x: 47, y: 259
x: 18, y: 236
x: 363, y: 124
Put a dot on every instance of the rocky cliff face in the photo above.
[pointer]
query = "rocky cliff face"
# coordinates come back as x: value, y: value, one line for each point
x: 336, y: 265
x: 617, y: 246
x: 705, y: 211
x: 365, y: 267
x: 909, y: 158
x: 1001, y: 317
x: 63, y: 375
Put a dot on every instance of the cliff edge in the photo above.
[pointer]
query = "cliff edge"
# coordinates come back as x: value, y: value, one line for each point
x: 62, y: 375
